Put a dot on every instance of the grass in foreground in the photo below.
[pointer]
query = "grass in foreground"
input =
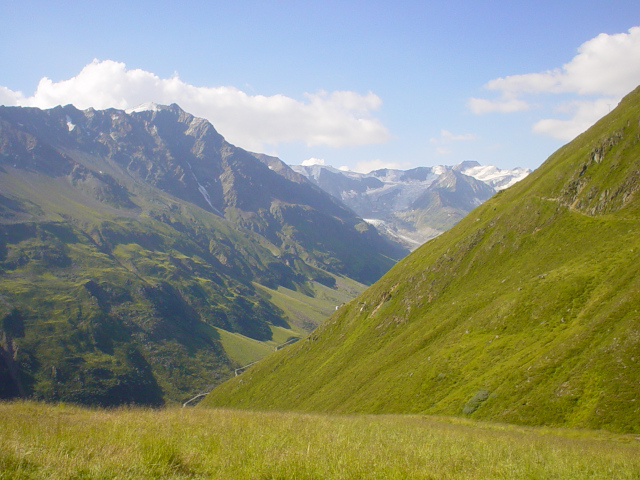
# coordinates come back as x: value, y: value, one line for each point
x: 66, y: 442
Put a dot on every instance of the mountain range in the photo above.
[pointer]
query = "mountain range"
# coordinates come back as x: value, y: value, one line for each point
x: 413, y: 206
x: 143, y: 258
x: 526, y: 311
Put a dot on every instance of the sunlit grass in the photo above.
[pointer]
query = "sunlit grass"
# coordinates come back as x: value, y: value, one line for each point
x: 62, y: 442
x: 241, y: 349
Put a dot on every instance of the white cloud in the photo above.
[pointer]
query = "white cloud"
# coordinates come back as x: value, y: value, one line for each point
x: 606, y: 67
x: 344, y: 168
x: 366, y: 166
x: 312, y: 161
x: 336, y: 119
x: 480, y: 106
x: 9, y: 97
x: 585, y: 114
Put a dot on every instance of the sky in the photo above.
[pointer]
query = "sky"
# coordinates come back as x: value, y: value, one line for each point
x: 354, y: 84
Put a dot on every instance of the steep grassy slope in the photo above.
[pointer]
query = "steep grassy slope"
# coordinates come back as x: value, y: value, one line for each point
x: 525, y: 312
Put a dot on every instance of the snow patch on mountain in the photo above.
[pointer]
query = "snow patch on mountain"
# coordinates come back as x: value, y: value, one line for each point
x: 499, y: 179
x: 439, y: 169
x: 203, y: 191
x: 392, y: 232
x: 374, y: 221
x: 143, y: 107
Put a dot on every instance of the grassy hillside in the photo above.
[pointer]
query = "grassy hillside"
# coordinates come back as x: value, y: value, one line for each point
x: 143, y: 305
x: 525, y: 312
x: 62, y: 442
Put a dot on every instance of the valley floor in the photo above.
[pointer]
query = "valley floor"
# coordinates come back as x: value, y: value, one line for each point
x: 63, y: 442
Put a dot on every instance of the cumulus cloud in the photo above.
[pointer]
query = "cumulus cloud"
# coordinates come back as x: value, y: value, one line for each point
x: 584, y: 114
x: 10, y: 98
x: 339, y: 118
x: 606, y: 67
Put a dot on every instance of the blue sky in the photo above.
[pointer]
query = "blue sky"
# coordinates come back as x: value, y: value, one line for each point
x: 356, y: 84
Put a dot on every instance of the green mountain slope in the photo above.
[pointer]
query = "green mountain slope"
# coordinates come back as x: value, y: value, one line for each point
x: 143, y: 259
x: 527, y: 311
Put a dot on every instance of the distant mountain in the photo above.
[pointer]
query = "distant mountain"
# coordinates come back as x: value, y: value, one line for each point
x: 413, y: 206
x: 496, y: 177
x: 143, y: 257
x: 526, y: 311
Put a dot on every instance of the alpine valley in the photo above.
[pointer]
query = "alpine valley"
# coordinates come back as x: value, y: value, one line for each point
x: 143, y: 258
x: 526, y: 311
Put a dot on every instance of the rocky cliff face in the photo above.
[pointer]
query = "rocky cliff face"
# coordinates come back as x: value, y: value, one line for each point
x: 167, y: 148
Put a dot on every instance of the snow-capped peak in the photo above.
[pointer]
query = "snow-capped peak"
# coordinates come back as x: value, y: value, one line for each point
x: 439, y: 169
x: 143, y: 107
x: 496, y: 177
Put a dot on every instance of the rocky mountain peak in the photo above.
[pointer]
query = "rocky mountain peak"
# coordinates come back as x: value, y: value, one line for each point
x: 412, y: 206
